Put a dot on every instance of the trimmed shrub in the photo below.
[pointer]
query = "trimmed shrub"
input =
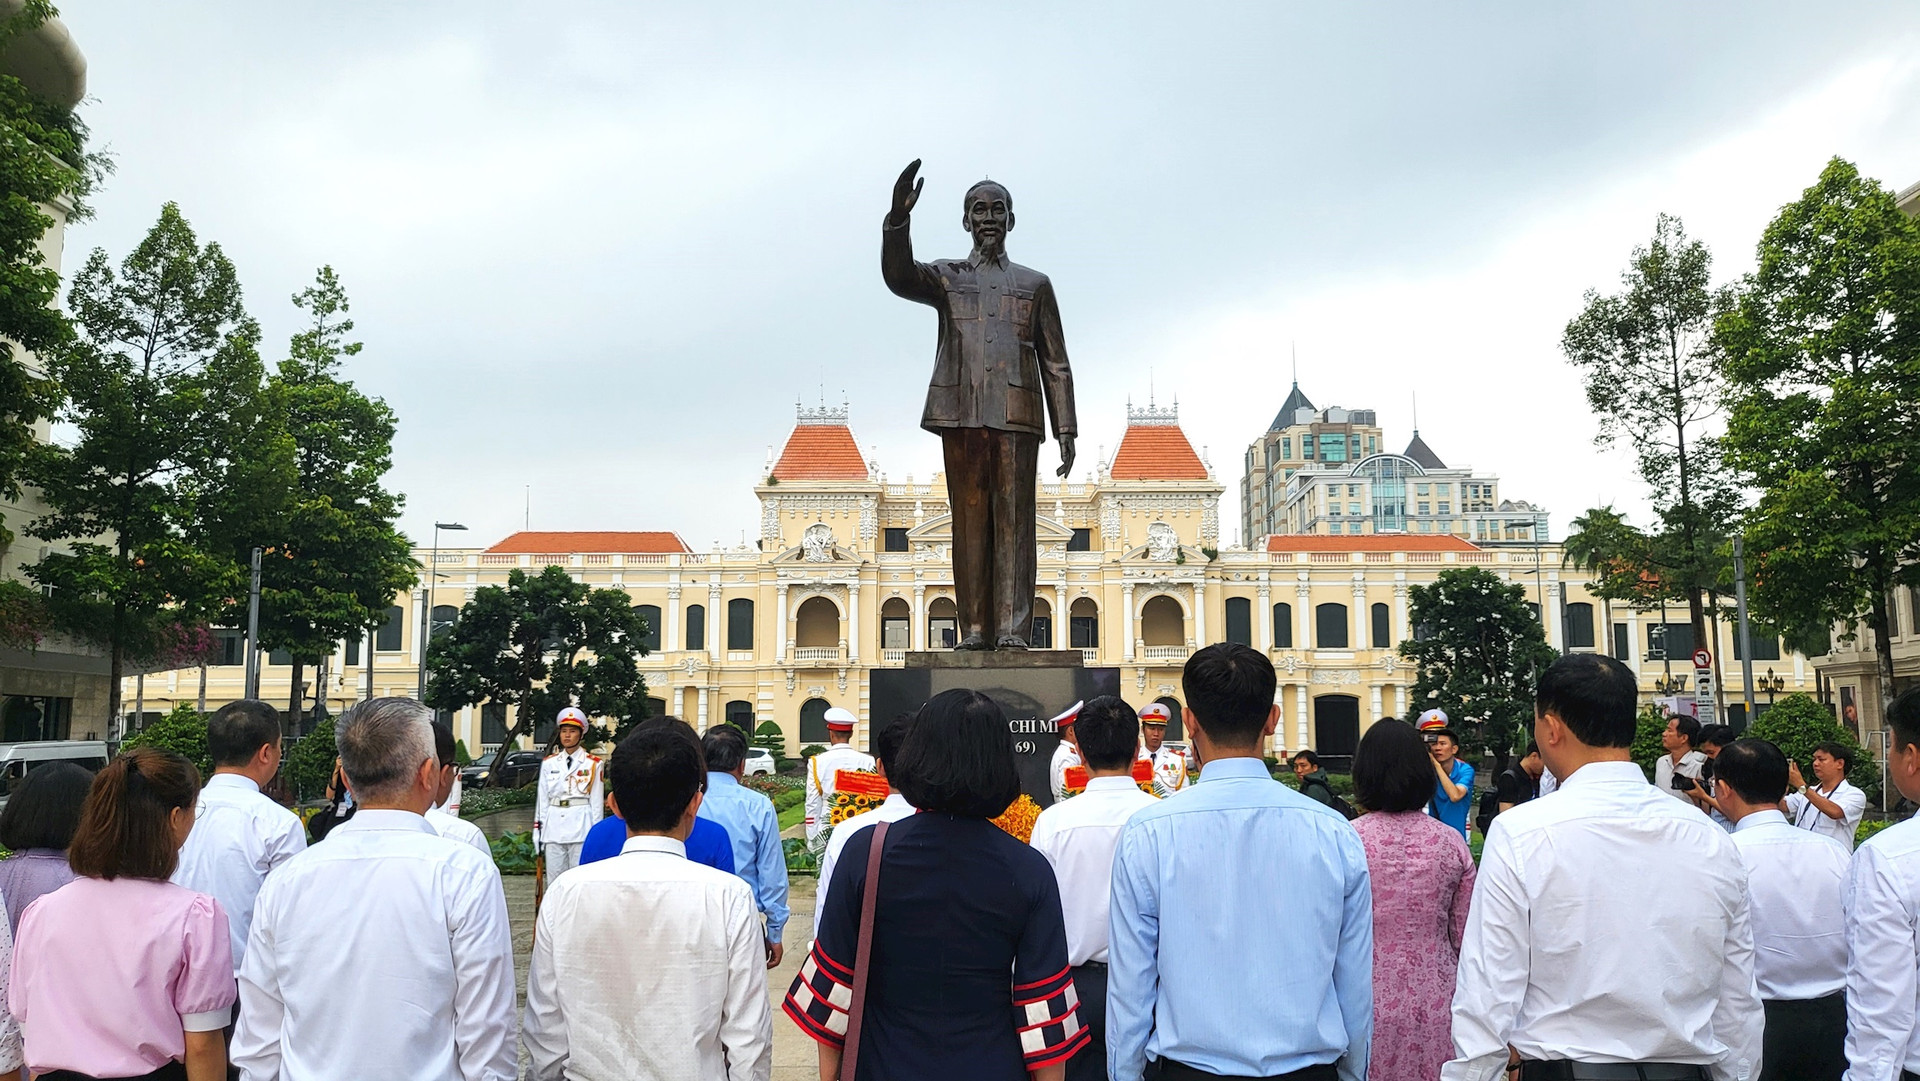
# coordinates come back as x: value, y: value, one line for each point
x: 310, y: 766
x: 769, y: 736
x: 182, y: 731
x: 1648, y: 729
x: 1797, y: 722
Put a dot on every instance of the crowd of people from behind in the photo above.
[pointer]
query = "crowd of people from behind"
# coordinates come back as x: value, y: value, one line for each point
x: 1714, y: 924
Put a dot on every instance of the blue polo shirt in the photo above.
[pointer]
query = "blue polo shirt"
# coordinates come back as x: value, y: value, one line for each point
x: 1454, y: 812
x: 708, y: 843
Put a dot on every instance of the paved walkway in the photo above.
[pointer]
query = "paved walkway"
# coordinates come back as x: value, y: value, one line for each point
x: 794, y: 1058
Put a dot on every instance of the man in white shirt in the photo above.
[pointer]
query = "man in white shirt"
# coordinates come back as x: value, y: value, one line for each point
x: 821, y: 768
x: 1833, y: 806
x: 1169, y: 765
x: 1079, y: 837
x: 238, y: 833
x: 1681, y: 760
x: 1799, y: 927
x: 1882, y: 899
x: 1576, y: 954
x: 648, y: 966
x: 1066, y: 755
x: 886, y: 745
x: 446, y: 821
x: 384, y: 952
x: 571, y: 796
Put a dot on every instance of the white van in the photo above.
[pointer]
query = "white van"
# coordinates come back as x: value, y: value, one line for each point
x: 16, y: 759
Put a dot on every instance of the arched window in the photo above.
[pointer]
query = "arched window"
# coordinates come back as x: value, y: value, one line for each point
x: 1240, y: 621
x: 1336, y: 725
x: 1283, y: 626
x: 1083, y: 624
x: 813, y: 721
x: 1382, y: 627
x: 696, y: 626
x: 1175, y: 729
x: 387, y: 638
x: 1041, y: 636
x: 1330, y: 626
x: 649, y: 634
x: 1579, y: 625
x: 817, y: 624
x: 943, y: 624
x: 656, y: 707
x: 740, y: 624
x: 444, y: 617
x: 896, y: 624
x: 740, y: 715
x: 1162, y: 623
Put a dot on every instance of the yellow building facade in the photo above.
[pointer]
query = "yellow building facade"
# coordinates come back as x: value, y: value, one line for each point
x: 851, y: 571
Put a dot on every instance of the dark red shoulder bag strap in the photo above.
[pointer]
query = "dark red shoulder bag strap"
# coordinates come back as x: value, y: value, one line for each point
x: 862, y: 957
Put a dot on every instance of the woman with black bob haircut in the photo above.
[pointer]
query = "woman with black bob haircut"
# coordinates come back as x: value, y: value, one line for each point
x: 1422, y: 879
x: 37, y: 827
x: 959, y: 905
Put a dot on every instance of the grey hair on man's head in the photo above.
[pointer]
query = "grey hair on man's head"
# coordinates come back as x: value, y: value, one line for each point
x: 382, y: 743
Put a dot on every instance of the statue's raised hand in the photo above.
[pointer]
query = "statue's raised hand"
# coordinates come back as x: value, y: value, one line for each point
x: 906, y: 192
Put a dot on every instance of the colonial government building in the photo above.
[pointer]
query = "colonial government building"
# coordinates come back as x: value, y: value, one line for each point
x: 850, y: 572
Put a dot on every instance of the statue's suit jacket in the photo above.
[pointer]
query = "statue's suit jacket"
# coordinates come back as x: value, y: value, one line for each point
x: 1000, y: 341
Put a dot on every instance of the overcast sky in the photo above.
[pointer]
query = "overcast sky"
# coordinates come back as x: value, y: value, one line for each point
x: 602, y: 248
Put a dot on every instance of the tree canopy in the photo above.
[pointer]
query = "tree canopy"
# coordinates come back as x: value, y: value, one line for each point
x: 1477, y: 651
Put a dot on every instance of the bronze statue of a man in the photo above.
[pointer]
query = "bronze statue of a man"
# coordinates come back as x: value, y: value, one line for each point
x: 1000, y: 351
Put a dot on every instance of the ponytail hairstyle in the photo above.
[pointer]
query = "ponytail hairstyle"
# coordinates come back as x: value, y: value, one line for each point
x: 126, y: 824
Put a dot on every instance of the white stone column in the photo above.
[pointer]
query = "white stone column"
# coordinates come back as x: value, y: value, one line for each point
x: 1362, y: 619
x: 1200, y: 614
x: 415, y: 621
x: 1401, y: 626
x: 1379, y: 709
x: 1632, y: 659
x: 1302, y: 739
x: 919, y: 635
x: 853, y: 621
x: 783, y: 636
x: 671, y: 639
x: 1550, y: 612
x: 1303, y: 615
x: 704, y: 723
x: 1126, y: 624
x: 716, y: 625
x: 1265, y: 618
x: 1062, y: 617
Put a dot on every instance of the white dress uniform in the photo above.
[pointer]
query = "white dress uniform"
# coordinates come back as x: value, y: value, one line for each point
x: 571, y: 799
x: 820, y: 784
x: 1064, y: 759
x: 1169, y: 771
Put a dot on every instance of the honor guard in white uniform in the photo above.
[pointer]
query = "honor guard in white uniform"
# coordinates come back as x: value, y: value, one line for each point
x: 570, y: 798
x: 1066, y: 756
x: 840, y: 754
x: 1169, y: 765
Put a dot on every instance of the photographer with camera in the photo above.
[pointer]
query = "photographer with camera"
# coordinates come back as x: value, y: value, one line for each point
x: 1677, y: 773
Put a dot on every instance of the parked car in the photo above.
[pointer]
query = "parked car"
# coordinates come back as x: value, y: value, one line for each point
x: 520, y: 768
x: 759, y: 760
x: 16, y: 759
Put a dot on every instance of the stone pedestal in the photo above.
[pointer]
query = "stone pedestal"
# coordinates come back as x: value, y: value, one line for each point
x: 1031, y: 686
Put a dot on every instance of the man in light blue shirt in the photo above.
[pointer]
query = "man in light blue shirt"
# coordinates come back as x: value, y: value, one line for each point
x: 752, y: 824
x: 1199, y: 881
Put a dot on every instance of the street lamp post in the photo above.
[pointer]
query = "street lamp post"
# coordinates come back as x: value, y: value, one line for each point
x: 433, y: 577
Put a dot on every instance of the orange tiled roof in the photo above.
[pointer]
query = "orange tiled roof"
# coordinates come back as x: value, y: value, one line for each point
x: 1368, y: 542
x: 820, y: 452
x: 1156, y: 452
x: 541, y: 542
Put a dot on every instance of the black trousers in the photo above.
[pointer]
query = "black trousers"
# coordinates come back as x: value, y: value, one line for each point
x: 1165, y: 1069
x: 1090, y: 984
x: 1806, y: 1039
x: 172, y: 1071
x: 1565, y: 1070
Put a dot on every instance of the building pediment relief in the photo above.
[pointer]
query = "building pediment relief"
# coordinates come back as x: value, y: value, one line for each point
x: 939, y: 530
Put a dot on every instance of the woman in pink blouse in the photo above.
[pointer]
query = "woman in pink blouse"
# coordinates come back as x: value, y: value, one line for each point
x: 1422, y: 875
x: 120, y: 973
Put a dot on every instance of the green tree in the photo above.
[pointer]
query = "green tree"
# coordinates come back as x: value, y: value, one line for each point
x: 542, y: 643
x: 1620, y: 557
x: 183, y: 731
x: 1648, y: 728
x: 1646, y: 357
x: 1823, y: 356
x: 1796, y: 723
x: 43, y: 164
x: 162, y: 382
x: 1477, y: 652
x: 309, y: 766
x: 336, y: 557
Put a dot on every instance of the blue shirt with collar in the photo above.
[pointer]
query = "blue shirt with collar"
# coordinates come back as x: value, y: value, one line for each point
x: 1199, y: 881
x: 708, y: 843
x: 754, y: 827
x: 1453, y: 812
